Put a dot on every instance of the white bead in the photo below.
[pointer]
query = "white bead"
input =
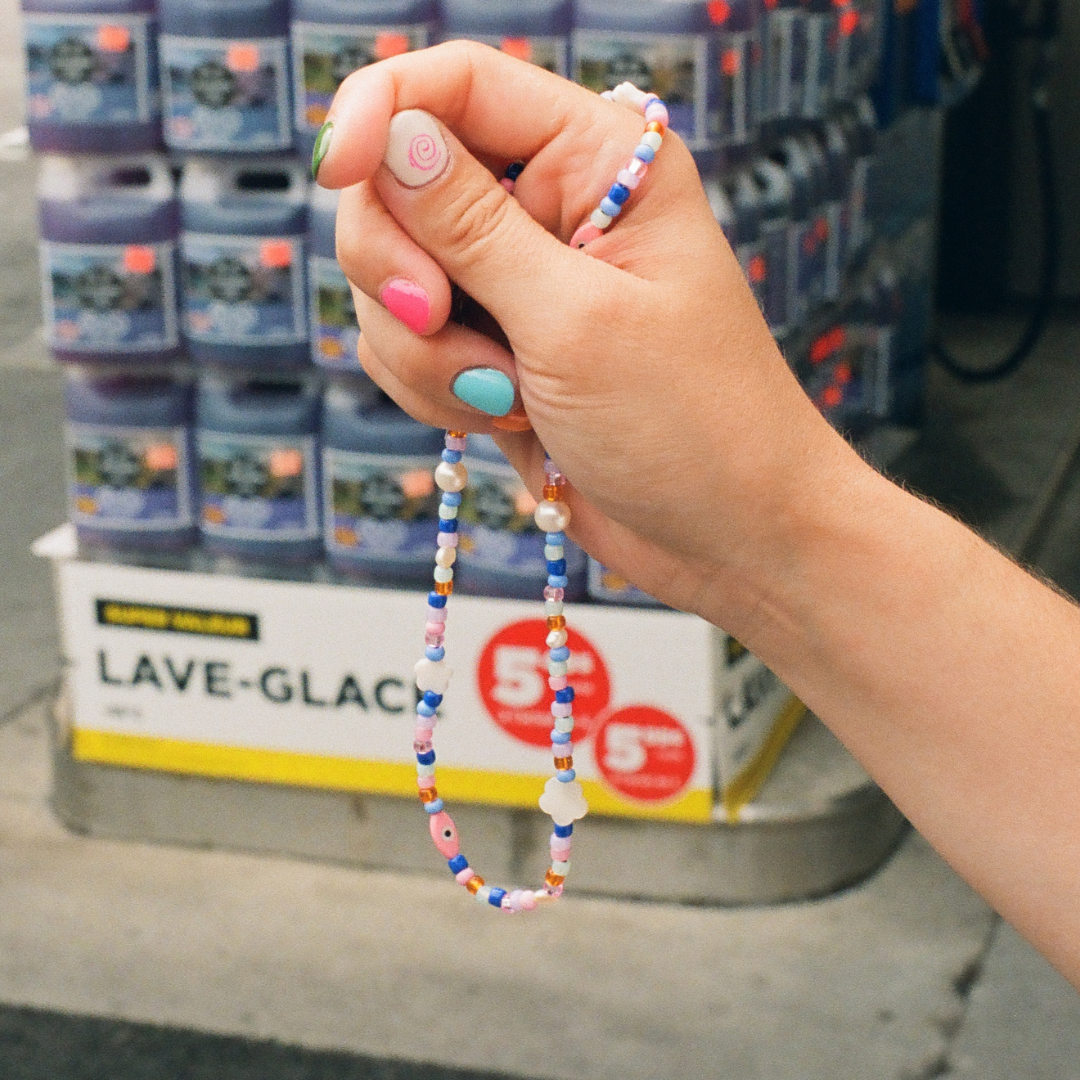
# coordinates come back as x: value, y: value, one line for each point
x: 451, y: 477
x: 627, y: 93
x: 556, y: 667
x: 483, y: 894
x: 432, y: 675
x: 607, y: 95
x: 443, y: 574
x: 564, y: 723
x: 652, y: 139
x: 425, y: 770
x: 448, y: 513
x: 556, y: 639
x: 553, y: 607
x: 445, y: 556
x: 551, y: 516
x: 600, y: 220
x: 563, y: 803
x: 560, y: 868
x: 554, y: 551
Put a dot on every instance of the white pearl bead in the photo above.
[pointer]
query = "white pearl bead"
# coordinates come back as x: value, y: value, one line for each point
x: 600, y: 219
x: 443, y: 574
x: 652, y: 139
x: 445, y: 556
x: 556, y: 639
x: 551, y: 516
x: 451, y: 477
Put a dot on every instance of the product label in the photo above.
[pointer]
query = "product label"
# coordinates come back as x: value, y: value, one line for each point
x: 675, y: 67
x: 498, y: 530
x: 91, y: 69
x: 335, y: 334
x: 324, y: 56
x: 785, y: 61
x: 226, y: 95
x: 243, y: 290
x: 549, y: 51
x: 379, y: 505
x: 109, y: 297
x: 128, y: 478
x: 258, y: 487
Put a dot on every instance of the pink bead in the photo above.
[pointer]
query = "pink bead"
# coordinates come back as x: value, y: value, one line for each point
x: 456, y: 442
x: 508, y: 184
x: 552, y: 593
x: 462, y: 876
x: 585, y: 235
x: 558, y: 682
x: 562, y: 708
x: 560, y: 848
x: 627, y: 179
x: 434, y: 640
x: 656, y: 110
x: 425, y: 782
x: 433, y: 627
x: 436, y: 614
x: 447, y: 540
x: 528, y: 900
x: 553, y: 890
x: 565, y: 749
x: 422, y: 746
x: 422, y: 735
x: 444, y: 834
x: 638, y: 168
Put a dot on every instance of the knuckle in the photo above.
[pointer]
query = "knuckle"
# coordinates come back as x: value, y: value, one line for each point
x: 474, y: 223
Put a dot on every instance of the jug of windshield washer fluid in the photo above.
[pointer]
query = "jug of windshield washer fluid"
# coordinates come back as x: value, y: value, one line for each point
x: 333, y: 38
x: 108, y: 258
x: 380, y: 502
x: 775, y: 192
x: 225, y: 75
x: 243, y: 294
x: 256, y: 441
x: 784, y: 42
x: 533, y: 30
x: 92, y: 75
x: 501, y: 551
x: 131, y: 478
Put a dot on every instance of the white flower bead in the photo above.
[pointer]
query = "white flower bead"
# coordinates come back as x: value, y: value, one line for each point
x: 446, y: 556
x: 551, y: 516
x: 557, y: 638
x: 627, y: 93
x: 563, y: 803
x: 451, y: 477
x: 433, y: 675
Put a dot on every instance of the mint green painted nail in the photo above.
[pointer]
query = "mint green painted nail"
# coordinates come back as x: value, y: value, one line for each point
x: 485, y: 389
x: 322, y: 145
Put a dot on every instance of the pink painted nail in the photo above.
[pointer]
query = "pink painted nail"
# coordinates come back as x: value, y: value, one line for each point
x: 405, y: 300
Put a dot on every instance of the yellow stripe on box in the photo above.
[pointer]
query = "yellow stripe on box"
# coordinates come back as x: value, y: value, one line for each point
x: 348, y: 774
x: 747, y: 784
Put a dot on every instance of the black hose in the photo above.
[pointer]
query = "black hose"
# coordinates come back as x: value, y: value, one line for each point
x: 1051, y: 240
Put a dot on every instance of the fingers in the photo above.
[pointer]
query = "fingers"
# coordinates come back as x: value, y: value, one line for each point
x: 380, y: 258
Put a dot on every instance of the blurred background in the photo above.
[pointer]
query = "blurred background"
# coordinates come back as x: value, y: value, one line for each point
x: 218, y: 533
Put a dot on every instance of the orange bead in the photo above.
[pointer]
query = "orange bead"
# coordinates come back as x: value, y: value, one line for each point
x: 552, y: 879
x: 552, y: 492
x: 444, y: 588
x: 456, y: 434
x: 474, y: 884
x: 556, y: 622
x: 564, y: 763
x: 428, y: 794
x: 655, y: 125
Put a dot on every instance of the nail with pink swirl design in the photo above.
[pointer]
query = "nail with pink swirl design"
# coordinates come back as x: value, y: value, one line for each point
x: 416, y: 151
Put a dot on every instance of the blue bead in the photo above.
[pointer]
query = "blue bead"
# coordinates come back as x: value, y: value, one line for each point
x: 564, y: 697
x: 458, y: 863
x: 447, y: 524
x: 558, y: 581
x: 619, y: 193
x: 563, y: 830
x: 451, y: 498
x: 566, y: 775
x: 424, y: 709
x: 451, y: 457
x: 560, y: 737
x: 514, y: 169
x: 612, y: 209
x: 436, y: 806
x: 496, y: 897
x: 559, y: 654
x: 435, y: 600
x: 555, y: 539
x: 556, y: 566
x: 435, y: 652
x: 432, y: 699
x: 645, y: 153
x: 426, y: 758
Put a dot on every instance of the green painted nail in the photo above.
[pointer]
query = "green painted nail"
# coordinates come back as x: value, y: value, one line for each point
x: 322, y: 145
x: 485, y: 389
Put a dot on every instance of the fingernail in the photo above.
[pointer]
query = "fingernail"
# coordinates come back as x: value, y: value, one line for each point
x: 485, y: 389
x: 416, y: 151
x: 322, y: 145
x: 407, y: 301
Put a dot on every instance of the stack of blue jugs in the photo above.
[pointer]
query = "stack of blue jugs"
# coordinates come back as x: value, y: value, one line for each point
x: 192, y: 291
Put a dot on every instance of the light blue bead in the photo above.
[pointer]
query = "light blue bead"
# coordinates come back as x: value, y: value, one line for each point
x: 555, y: 539
x: 560, y: 736
x: 564, y: 775
x: 424, y: 710
x: 452, y: 498
x: 612, y: 209
x: 558, y: 581
x: 559, y: 654
x: 435, y: 652
x: 436, y: 806
x: 645, y: 153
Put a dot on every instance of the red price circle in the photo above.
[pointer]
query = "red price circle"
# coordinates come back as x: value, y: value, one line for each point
x: 644, y: 753
x: 513, y: 680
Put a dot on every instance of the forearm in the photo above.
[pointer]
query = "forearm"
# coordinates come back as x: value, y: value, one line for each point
x: 953, y: 676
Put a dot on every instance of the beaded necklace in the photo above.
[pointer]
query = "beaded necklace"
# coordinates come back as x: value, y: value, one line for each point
x: 563, y: 798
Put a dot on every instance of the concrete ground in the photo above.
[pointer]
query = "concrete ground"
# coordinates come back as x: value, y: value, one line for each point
x: 128, y: 961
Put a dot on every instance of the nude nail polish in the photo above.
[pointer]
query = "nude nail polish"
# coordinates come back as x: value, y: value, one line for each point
x: 416, y: 152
